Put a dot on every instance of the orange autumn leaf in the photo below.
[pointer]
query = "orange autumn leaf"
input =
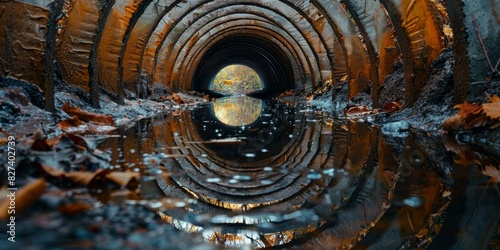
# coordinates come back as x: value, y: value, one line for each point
x: 85, y: 178
x: 72, y: 122
x: 124, y: 179
x: 177, y: 99
x: 25, y: 196
x: 492, y: 110
x: 392, y: 107
x: 453, y: 123
x: 74, y: 208
x: 493, y: 172
x: 87, y: 116
x: 469, y: 116
x: 357, y: 111
x: 467, y: 109
x: 494, y: 99
x: 475, y: 121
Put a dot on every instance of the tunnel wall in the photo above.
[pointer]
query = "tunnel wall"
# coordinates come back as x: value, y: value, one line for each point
x: 115, y: 44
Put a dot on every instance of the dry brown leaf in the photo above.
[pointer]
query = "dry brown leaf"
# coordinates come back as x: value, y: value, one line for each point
x: 493, y: 172
x: 453, y: 123
x: 52, y: 142
x: 494, y: 99
x: 87, y: 116
x: 25, y: 196
x: 472, y: 116
x: 3, y: 140
x: 68, y: 123
x: 85, y: 178
x: 102, y: 129
x: 491, y: 110
x: 467, y: 109
x: 392, y: 107
x: 475, y: 121
x: 40, y: 145
x: 177, y: 99
x: 124, y: 179
x: 74, y: 208
x: 120, y: 196
x: 357, y: 111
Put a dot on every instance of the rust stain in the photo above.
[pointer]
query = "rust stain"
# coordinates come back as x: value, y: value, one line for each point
x: 423, y: 32
x: 75, y: 43
x: 23, y: 41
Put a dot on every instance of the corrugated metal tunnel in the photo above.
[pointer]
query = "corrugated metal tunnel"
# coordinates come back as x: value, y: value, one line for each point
x: 296, y: 171
x: 293, y: 44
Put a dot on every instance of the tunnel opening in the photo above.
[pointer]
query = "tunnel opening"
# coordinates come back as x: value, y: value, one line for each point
x: 271, y: 64
x: 236, y: 79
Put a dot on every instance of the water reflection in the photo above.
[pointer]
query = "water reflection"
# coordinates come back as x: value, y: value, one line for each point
x: 237, y: 110
x: 283, y: 181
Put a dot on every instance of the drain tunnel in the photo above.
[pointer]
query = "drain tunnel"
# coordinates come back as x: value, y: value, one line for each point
x: 301, y: 45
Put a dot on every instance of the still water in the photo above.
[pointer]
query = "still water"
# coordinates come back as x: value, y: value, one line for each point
x: 262, y: 173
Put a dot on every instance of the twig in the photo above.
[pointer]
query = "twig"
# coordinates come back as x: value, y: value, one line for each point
x: 474, y: 23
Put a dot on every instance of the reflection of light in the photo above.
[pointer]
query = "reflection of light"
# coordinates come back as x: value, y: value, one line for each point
x: 237, y: 110
x: 237, y: 79
x: 243, y: 236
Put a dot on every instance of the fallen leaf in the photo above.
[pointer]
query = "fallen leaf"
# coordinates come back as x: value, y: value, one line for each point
x: 52, y: 142
x: 453, y: 123
x: 87, y: 116
x: 124, y: 179
x: 74, y: 208
x: 3, y: 140
x: 357, y: 111
x: 176, y: 98
x: 40, y: 145
x: 493, y: 172
x: 85, y: 178
x: 494, y: 99
x: 467, y: 109
x: 392, y: 107
x: 120, y: 196
x: 25, y: 196
x: 68, y: 123
x: 491, y: 110
x: 102, y: 129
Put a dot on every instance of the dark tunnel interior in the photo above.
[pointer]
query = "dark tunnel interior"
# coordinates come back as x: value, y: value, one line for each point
x: 268, y: 61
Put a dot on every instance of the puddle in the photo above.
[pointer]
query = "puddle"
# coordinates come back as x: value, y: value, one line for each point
x: 260, y: 173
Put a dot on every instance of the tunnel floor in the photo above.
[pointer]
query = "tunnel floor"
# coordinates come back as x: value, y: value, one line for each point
x: 259, y: 173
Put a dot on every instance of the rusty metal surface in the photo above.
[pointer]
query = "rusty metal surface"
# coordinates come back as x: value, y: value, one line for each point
x: 354, y: 53
x: 112, y: 42
x: 419, y: 37
x: 167, y: 66
x: 22, y: 41
x: 202, y: 31
x: 357, y: 40
x: 75, y: 42
x: 296, y: 19
x: 374, y: 26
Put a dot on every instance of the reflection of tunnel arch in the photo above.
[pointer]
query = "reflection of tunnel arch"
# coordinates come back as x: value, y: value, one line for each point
x: 118, y: 41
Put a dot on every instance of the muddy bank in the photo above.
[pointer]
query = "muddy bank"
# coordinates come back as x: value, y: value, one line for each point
x: 22, y: 103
